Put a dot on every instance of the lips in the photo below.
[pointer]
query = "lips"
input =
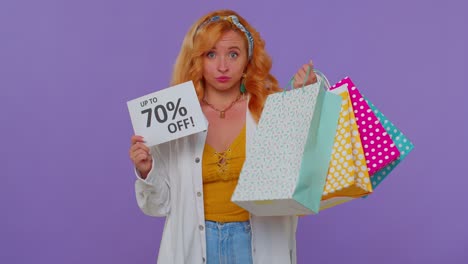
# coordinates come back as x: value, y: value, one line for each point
x: 223, y: 79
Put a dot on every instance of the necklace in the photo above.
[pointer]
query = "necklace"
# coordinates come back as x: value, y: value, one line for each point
x: 222, y: 113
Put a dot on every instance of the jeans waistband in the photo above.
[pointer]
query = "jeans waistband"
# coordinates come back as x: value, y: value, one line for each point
x: 219, y: 225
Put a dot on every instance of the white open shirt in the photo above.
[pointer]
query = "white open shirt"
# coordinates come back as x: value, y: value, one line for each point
x: 174, y: 189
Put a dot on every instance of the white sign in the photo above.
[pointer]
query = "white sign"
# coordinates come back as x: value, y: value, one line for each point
x: 167, y: 114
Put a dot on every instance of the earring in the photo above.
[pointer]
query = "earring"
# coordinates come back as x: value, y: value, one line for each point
x: 242, y: 86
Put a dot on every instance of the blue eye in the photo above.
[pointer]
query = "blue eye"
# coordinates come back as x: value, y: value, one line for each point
x: 210, y: 54
x: 233, y: 55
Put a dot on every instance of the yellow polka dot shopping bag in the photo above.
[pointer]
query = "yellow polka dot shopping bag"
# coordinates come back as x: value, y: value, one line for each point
x: 287, y: 160
x: 348, y: 177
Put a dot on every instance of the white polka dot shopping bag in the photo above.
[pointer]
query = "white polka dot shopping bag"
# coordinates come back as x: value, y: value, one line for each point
x: 287, y: 160
x: 379, y: 148
x: 347, y: 177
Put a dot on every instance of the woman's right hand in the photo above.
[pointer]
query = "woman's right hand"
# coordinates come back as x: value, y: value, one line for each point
x: 141, y: 156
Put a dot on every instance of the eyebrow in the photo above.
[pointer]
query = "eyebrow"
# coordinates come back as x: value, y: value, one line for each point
x: 231, y: 47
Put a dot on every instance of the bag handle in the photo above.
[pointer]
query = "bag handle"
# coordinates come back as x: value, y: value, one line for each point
x: 320, y: 78
x: 323, y: 79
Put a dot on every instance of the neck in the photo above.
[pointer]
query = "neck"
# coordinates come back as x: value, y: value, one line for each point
x: 221, y: 98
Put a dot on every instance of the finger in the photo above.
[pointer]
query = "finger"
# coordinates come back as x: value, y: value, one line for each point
x: 139, y: 156
x: 136, y: 138
x: 135, y: 154
x: 298, y: 79
x: 135, y: 147
x: 139, y: 146
x: 312, y: 72
x: 147, y: 158
x: 143, y: 146
x: 301, y: 73
x: 142, y: 157
x: 313, y: 77
x: 313, y: 80
x: 302, y: 76
x: 307, y: 68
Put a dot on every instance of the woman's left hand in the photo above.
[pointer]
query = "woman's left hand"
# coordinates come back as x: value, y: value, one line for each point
x: 300, y: 76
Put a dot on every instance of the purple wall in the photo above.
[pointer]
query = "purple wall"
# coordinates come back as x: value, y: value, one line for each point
x: 68, y: 67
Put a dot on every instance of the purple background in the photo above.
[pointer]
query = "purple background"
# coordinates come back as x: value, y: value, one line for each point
x: 67, y: 69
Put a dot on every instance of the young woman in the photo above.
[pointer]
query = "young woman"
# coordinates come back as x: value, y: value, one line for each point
x: 190, y: 180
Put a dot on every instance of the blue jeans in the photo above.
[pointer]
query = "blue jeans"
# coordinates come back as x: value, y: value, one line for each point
x: 228, y: 243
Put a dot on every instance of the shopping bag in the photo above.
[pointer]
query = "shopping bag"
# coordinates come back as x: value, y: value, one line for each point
x: 404, y: 145
x: 287, y: 161
x: 379, y: 148
x: 347, y: 177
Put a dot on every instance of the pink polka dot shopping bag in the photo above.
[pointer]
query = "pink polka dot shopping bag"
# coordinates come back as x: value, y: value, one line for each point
x: 404, y: 145
x: 379, y: 148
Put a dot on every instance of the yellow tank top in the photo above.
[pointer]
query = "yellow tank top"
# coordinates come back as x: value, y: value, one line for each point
x: 221, y: 172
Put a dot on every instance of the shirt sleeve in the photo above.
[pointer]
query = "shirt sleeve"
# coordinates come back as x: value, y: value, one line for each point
x: 153, y: 193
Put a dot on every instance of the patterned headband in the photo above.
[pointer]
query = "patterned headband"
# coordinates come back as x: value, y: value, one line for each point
x: 235, y: 21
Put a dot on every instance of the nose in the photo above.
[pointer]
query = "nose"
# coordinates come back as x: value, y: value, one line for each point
x: 223, y: 65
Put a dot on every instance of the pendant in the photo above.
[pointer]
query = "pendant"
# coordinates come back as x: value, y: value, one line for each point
x: 221, y: 114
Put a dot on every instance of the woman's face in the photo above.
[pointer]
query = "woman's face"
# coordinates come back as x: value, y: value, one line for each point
x: 225, y: 63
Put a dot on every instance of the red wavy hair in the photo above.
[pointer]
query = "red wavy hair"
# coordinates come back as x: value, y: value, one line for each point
x: 189, y: 63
